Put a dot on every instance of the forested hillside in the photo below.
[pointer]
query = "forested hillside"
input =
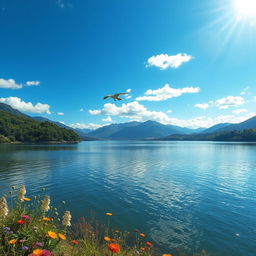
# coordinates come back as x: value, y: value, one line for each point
x: 16, y: 128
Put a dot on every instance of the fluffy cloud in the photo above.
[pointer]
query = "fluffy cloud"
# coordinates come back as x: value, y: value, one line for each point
x: 17, y: 103
x: 202, y: 106
x: 86, y: 126
x: 165, y: 93
x: 240, y: 110
x: 164, y: 61
x: 137, y: 112
x: 255, y: 98
x: 9, y: 84
x: 32, y: 83
x: 107, y: 119
x: 60, y: 114
x: 230, y: 101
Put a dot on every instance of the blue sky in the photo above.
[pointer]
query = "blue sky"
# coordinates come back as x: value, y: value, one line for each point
x: 185, y: 62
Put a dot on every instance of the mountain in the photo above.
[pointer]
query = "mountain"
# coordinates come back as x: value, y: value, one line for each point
x: 9, y: 109
x: 44, y: 119
x: 105, y: 132
x: 248, y: 124
x: 215, y: 128
x: 138, y: 130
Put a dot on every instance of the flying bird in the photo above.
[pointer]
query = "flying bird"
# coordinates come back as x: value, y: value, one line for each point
x: 115, y: 96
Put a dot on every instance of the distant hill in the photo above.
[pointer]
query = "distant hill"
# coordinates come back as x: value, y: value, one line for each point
x: 138, y: 130
x: 9, y: 109
x: 215, y: 128
x: 248, y: 124
x: 248, y: 135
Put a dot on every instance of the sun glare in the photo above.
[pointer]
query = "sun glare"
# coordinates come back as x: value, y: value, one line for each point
x: 246, y: 8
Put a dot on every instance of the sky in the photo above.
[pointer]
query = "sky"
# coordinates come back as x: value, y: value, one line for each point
x: 189, y: 63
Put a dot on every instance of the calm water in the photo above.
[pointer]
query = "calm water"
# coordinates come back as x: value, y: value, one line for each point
x: 181, y: 194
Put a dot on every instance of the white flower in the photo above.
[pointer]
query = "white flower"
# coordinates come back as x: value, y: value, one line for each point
x: 22, y: 193
x: 66, y: 219
x: 45, y: 204
x: 3, y: 207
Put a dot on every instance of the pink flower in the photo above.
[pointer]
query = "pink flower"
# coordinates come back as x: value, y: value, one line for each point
x: 26, y: 217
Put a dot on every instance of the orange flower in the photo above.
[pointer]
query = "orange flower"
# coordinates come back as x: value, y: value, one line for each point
x: 109, y: 214
x: 37, y: 252
x: 52, y: 234
x: 106, y: 238
x: 13, y: 241
x: 46, y: 219
x: 115, y: 248
x: 27, y: 199
x: 62, y: 237
x: 21, y: 221
x: 167, y: 254
x: 148, y: 244
x: 142, y: 235
x: 75, y: 242
x: 142, y: 249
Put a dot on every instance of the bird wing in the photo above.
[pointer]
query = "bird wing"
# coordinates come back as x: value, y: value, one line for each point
x: 105, y: 97
x: 120, y: 93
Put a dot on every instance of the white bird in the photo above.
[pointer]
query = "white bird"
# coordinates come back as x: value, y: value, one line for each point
x: 115, y: 96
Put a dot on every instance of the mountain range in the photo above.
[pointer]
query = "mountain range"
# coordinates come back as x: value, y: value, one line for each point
x: 142, y: 130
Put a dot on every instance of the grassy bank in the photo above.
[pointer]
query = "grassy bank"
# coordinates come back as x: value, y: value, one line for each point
x: 32, y: 227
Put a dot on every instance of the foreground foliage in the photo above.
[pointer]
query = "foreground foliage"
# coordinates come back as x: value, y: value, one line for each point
x: 32, y: 227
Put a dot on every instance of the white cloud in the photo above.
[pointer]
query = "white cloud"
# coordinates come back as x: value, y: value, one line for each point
x: 137, y: 112
x: 17, y: 103
x: 128, y: 90
x: 202, y: 106
x: 230, y: 101
x: 32, y: 83
x: 60, y: 114
x: 255, y: 98
x: 86, y: 126
x: 107, y: 119
x: 245, y: 90
x: 164, y: 61
x: 9, y: 84
x: 81, y: 110
x: 166, y: 92
x: 240, y: 110
x: 169, y: 111
x: 61, y: 122
x: 94, y: 112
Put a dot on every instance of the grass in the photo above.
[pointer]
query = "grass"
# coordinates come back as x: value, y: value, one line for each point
x: 32, y: 227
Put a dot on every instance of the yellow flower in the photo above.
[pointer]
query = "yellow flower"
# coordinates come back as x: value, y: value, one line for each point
x: 167, y: 255
x: 52, y: 234
x: 37, y: 252
x: 13, y: 241
x: 46, y: 219
x: 26, y: 199
x: 62, y: 237
x: 106, y: 238
x: 109, y: 214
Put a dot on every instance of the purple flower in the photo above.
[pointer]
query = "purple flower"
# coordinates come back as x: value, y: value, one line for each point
x: 25, y: 248
x: 46, y: 253
x: 8, y: 232
x: 40, y: 244
x: 6, y: 228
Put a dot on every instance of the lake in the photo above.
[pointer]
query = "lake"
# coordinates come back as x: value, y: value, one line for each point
x: 198, y: 195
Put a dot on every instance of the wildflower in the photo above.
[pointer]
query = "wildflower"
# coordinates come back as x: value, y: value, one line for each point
x: 106, y: 238
x: 37, y: 252
x: 142, y: 235
x: 21, y: 221
x: 45, y: 204
x: 13, y: 187
x: 25, y: 248
x: 3, y: 207
x: 22, y: 193
x: 63, y: 202
x: 66, y: 219
x: 167, y: 254
x: 142, y: 249
x: 22, y: 241
x: 75, y: 242
x: 136, y: 230
x: 113, y: 240
x: 40, y: 244
x: 62, y: 237
x: 13, y: 241
x: 109, y: 214
x: 6, y: 229
x: 26, y: 217
x: 46, y: 219
x: 35, y: 228
x: 52, y: 234
x: 115, y: 248
x: 26, y: 199
x: 148, y: 244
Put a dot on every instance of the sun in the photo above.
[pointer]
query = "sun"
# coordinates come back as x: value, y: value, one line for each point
x: 246, y: 8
